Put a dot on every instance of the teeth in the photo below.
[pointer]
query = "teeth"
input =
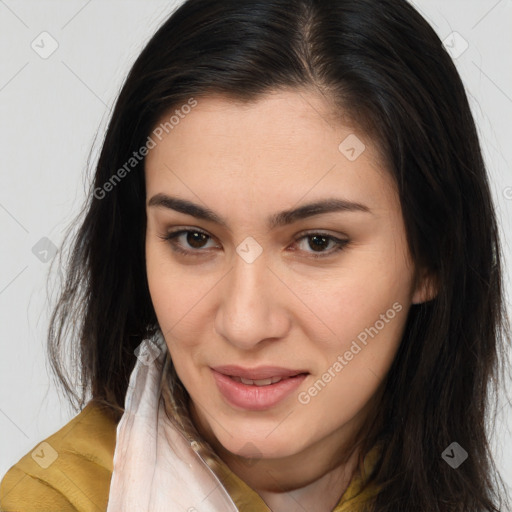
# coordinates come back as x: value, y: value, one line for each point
x: 260, y: 382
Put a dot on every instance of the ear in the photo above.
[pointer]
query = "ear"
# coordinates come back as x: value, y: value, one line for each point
x: 426, y: 286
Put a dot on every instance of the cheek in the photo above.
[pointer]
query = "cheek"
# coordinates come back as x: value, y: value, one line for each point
x: 178, y: 300
x: 171, y: 311
x: 354, y: 361
x: 365, y: 332
x: 360, y: 314
x: 170, y: 295
x: 159, y: 282
x: 353, y: 309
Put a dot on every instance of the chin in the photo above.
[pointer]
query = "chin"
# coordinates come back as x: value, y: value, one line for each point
x: 260, y: 447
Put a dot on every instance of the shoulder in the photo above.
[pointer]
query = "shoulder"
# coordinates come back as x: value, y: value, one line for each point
x: 68, y: 471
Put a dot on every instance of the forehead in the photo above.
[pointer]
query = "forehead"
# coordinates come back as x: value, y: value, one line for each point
x: 283, y: 145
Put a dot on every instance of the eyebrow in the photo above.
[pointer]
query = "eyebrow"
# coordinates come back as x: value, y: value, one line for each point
x: 276, y: 220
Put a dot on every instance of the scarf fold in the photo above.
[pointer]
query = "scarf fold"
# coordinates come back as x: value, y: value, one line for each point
x: 160, y: 464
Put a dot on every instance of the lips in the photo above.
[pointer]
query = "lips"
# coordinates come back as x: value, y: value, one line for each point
x: 260, y: 376
x: 257, y: 394
x: 259, y: 382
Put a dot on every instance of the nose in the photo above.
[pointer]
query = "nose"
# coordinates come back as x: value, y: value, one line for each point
x: 252, y: 308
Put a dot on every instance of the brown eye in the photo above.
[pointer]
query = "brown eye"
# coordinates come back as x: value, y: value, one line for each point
x: 196, y: 239
x: 190, y: 242
x: 318, y: 242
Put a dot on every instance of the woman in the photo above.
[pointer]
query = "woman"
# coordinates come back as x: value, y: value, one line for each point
x: 286, y: 292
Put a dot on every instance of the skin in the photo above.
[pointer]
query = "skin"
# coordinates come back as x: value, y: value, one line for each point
x: 246, y: 162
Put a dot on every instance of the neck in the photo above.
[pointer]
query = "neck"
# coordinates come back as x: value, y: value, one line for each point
x: 312, y: 479
x: 304, y: 481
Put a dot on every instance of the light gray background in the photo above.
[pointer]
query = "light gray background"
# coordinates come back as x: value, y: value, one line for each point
x: 50, y: 110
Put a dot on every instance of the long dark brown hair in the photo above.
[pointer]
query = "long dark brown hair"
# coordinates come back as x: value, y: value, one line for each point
x: 380, y: 64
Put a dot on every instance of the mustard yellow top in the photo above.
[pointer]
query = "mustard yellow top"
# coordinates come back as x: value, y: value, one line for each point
x: 71, y: 471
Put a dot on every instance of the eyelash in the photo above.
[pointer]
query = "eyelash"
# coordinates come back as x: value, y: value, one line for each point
x: 169, y: 238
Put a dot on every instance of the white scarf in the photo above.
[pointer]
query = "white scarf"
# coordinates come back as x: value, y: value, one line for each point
x: 157, y: 466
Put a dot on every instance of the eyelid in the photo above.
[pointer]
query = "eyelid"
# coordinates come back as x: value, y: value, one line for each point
x: 171, y: 235
x: 340, y: 243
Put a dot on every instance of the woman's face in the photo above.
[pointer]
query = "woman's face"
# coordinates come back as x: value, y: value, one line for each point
x: 265, y: 280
